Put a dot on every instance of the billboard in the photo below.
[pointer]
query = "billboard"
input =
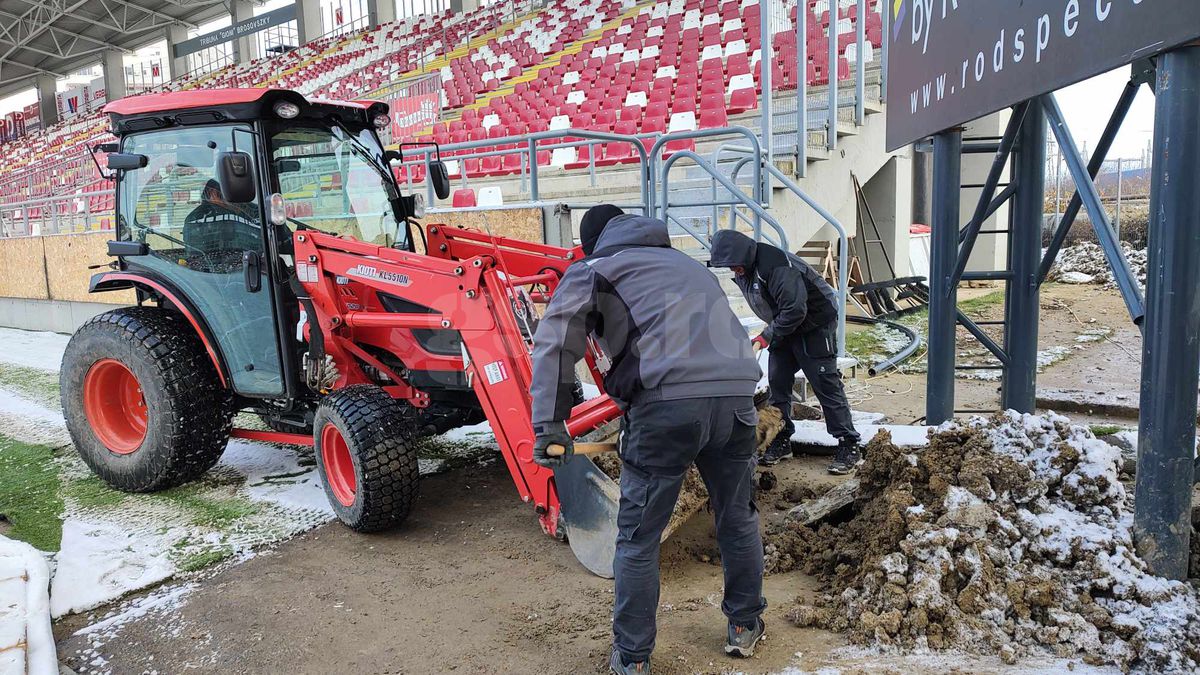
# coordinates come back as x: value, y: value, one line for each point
x: 240, y: 29
x: 953, y: 61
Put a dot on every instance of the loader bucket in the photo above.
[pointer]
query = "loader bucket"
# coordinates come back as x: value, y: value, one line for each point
x: 590, y: 500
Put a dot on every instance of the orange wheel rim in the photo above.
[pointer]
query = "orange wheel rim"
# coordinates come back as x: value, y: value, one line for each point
x: 339, y: 467
x: 115, y: 406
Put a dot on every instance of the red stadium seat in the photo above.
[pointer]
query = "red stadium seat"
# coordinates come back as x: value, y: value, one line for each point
x: 464, y: 197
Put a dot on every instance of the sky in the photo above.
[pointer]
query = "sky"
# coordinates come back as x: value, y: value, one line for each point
x: 1088, y: 105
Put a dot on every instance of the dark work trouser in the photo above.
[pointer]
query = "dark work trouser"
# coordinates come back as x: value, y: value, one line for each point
x: 814, y: 352
x: 659, y: 441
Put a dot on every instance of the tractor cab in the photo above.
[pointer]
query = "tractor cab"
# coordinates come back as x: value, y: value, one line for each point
x: 211, y: 186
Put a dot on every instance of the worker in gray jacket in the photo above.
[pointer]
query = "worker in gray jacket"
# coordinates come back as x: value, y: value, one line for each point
x: 801, y: 314
x: 684, y: 374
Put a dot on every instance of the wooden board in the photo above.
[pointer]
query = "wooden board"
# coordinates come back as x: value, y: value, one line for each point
x: 67, y: 275
x: 22, y: 268
x: 523, y: 224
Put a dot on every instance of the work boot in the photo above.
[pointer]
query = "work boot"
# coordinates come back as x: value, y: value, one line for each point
x: 847, y: 459
x: 741, y: 640
x: 617, y: 666
x: 779, y: 449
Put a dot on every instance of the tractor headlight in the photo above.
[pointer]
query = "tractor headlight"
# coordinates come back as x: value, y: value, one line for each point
x: 381, y: 122
x: 287, y: 110
x: 278, y: 212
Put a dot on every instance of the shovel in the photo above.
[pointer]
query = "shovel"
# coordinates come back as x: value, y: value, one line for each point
x: 589, y: 500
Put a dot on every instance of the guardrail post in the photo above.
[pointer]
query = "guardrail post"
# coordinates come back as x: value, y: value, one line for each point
x: 802, y: 90
x: 860, y: 87
x: 1170, y: 349
x: 832, y: 76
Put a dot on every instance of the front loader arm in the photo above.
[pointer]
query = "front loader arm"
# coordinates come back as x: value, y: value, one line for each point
x: 472, y: 295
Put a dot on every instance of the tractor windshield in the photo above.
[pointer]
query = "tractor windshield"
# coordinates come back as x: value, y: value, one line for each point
x: 335, y: 181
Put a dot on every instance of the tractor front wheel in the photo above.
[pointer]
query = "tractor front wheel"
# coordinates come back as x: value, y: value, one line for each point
x: 365, y: 454
x: 142, y: 400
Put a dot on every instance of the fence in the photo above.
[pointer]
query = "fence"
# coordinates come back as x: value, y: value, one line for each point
x: 1123, y: 184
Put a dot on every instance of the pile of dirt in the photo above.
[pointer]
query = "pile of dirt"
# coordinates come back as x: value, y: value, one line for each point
x: 1008, y: 535
x: 1085, y: 263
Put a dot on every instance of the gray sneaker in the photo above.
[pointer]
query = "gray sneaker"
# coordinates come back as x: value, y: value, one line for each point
x: 741, y: 641
x: 616, y: 667
x: 848, y: 457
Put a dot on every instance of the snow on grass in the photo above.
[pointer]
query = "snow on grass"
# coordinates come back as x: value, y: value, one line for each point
x: 33, y: 349
x: 106, y: 543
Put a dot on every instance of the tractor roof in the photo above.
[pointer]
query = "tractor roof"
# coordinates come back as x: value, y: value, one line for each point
x: 200, y: 106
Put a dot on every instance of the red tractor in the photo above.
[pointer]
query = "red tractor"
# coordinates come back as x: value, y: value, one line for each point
x: 276, y: 270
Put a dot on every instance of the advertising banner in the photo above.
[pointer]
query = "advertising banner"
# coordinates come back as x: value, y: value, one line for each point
x: 953, y: 61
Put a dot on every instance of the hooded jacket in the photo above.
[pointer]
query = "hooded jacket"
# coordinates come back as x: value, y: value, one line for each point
x: 782, y: 290
x: 660, y: 316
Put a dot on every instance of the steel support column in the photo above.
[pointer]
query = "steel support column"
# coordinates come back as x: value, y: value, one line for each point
x: 943, y: 296
x: 1019, y: 389
x: 1171, y: 335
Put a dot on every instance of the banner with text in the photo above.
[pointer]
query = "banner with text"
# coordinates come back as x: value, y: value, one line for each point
x: 953, y: 61
x: 240, y: 29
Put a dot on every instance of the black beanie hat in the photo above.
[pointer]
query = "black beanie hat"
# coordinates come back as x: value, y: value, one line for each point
x: 593, y: 224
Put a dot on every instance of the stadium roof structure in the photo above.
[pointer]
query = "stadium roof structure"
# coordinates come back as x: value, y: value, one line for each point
x: 57, y: 37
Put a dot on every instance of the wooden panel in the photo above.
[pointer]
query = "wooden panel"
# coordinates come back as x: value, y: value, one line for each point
x: 67, y: 260
x: 523, y: 224
x: 22, y: 272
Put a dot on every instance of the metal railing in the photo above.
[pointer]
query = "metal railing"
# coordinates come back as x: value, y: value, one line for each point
x: 55, y: 215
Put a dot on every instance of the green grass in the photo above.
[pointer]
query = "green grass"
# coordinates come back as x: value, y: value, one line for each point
x: 30, y: 494
x: 1099, y: 430
x: 982, y: 303
x: 198, y: 561
x: 863, y: 344
x: 34, y: 384
x: 207, y: 509
x: 92, y: 493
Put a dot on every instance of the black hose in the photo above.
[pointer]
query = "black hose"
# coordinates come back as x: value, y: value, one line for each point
x: 914, y: 342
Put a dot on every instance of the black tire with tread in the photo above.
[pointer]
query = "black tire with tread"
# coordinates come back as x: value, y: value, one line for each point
x: 188, y: 412
x: 379, y: 433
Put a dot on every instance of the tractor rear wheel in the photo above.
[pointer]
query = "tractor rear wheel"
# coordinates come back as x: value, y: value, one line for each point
x: 366, y: 457
x: 142, y: 400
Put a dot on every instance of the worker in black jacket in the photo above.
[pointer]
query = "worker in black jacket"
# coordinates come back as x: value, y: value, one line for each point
x: 801, y: 314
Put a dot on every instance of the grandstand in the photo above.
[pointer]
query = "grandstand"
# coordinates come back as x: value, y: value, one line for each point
x: 503, y: 71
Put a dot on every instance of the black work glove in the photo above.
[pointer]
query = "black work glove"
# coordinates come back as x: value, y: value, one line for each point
x: 547, y: 434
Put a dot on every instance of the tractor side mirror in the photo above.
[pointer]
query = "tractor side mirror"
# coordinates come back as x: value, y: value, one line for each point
x: 287, y: 166
x: 236, y: 177
x: 126, y: 161
x: 439, y: 177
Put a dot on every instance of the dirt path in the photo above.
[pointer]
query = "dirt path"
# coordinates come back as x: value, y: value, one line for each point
x: 1111, y: 363
x: 470, y: 584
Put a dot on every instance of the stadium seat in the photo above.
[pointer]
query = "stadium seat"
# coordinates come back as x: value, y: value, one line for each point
x: 463, y: 197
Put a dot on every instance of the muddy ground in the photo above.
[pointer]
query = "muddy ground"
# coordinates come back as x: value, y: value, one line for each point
x: 1109, y: 364
x: 470, y: 584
